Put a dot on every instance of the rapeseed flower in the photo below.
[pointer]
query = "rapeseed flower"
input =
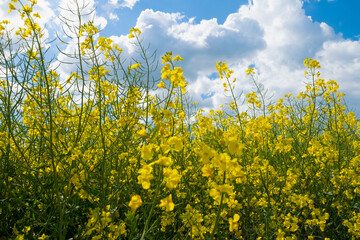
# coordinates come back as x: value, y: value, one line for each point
x: 11, y: 7
x: 135, y: 66
x: 178, y: 58
x: 172, y: 177
x: 249, y: 71
x: 167, y: 203
x: 176, y: 143
x: 146, y: 152
x: 165, y: 161
x: 134, y: 31
x: 145, y: 176
x: 135, y: 202
x: 161, y: 85
x: 233, y: 222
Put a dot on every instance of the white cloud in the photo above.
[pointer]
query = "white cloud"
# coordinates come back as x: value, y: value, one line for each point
x: 341, y: 61
x: 275, y: 36
x: 291, y: 37
x: 200, y: 44
x: 125, y: 3
x: 113, y: 16
x: 43, y: 8
x: 68, y: 10
x: 129, y: 3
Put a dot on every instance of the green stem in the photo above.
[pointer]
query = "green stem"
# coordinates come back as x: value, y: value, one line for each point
x: 218, y: 213
x: 150, y: 213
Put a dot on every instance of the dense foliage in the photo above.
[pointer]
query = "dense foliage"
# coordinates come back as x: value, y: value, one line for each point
x: 114, y: 153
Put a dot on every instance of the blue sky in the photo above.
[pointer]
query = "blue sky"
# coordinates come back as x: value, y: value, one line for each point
x: 343, y: 16
x: 275, y: 36
x: 200, y: 9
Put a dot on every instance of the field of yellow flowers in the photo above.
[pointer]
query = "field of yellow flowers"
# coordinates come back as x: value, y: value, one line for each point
x: 103, y: 155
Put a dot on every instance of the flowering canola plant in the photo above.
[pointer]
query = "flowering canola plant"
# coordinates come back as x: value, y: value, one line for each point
x: 103, y: 155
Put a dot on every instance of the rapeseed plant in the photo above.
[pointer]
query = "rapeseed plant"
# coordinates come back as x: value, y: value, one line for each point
x: 100, y: 155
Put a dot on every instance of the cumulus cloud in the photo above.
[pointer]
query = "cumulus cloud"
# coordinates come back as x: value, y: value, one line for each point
x: 42, y: 7
x: 68, y: 23
x: 129, y: 3
x: 202, y: 45
x: 341, y: 62
x: 113, y: 16
x: 273, y: 36
x: 291, y: 37
x: 195, y: 41
x: 67, y: 10
x: 124, y: 3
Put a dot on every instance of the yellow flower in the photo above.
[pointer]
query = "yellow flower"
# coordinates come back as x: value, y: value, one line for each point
x: 249, y: 71
x: 167, y: 203
x: 135, y: 202
x: 165, y: 71
x: 43, y: 237
x: 216, y: 195
x: 134, y: 30
x: 172, y: 177
x: 311, y: 63
x: 11, y: 7
x: 135, y: 66
x: 235, y: 147
x: 167, y: 113
x: 207, y: 171
x: 27, y: 9
x: 145, y: 176
x: 280, y: 234
x: 176, y: 143
x: 146, y: 152
x: 166, y: 57
x: 37, y: 15
x: 165, y: 161
x: 142, y: 132
x: 178, y: 58
x: 233, y: 222
x: 27, y: 229
x: 161, y: 85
